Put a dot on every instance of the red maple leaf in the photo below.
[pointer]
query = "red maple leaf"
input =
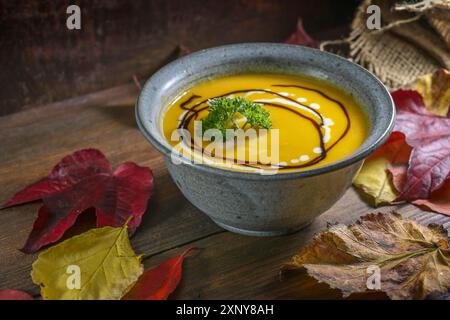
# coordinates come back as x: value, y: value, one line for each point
x: 81, y: 181
x: 301, y: 37
x: 13, y: 294
x: 158, y: 283
x: 429, y: 135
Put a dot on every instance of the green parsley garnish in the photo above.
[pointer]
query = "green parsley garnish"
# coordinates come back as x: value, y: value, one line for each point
x: 223, y: 113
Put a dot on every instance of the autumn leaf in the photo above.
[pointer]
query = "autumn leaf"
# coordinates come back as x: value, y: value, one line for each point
x: 435, y: 90
x: 183, y: 50
x: 301, y: 37
x: 103, y: 258
x: 160, y: 282
x: 439, y: 201
x: 81, y: 181
x: 413, y: 260
x: 429, y: 135
x: 425, y: 175
x: 13, y: 294
x: 429, y: 168
x: 374, y: 179
x: 417, y: 123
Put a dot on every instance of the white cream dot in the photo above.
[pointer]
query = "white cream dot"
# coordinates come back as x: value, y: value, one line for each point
x: 317, y: 150
x: 283, y: 163
x: 295, y: 160
x: 328, y: 122
x: 302, y: 99
x: 315, y: 105
x: 304, y: 158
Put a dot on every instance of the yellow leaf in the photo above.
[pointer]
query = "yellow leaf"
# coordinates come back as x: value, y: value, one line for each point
x: 373, y: 178
x: 374, y: 181
x: 381, y: 252
x: 435, y: 90
x: 106, y: 263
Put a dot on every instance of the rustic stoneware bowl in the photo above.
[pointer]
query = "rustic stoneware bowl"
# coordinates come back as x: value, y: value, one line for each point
x: 251, y: 203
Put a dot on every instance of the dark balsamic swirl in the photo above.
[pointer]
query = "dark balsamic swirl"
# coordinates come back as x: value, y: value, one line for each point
x: 194, y: 110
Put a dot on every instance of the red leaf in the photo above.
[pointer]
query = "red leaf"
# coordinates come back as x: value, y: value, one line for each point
x: 397, y: 148
x: 132, y: 186
x: 183, y: 50
x: 160, y: 282
x: 398, y: 175
x: 438, y: 200
x: 302, y: 38
x: 429, y: 135
x: 429, y: 167
x: 409, y: 101
x: 81, y: 181
x: 13, y: 294
x: 418, y: 125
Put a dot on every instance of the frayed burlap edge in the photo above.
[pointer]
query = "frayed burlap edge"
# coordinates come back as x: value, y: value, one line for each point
x: 388, y: 53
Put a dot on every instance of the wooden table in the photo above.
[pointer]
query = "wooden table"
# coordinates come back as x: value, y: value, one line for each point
x: 227, y: 266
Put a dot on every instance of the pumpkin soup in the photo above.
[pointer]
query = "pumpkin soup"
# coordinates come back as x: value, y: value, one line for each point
x: 309, y: 123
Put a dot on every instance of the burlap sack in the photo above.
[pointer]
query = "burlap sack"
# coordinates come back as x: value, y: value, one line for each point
x: 413, y: 40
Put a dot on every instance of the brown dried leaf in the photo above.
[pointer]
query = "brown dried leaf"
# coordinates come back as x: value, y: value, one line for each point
x: 413, y: 260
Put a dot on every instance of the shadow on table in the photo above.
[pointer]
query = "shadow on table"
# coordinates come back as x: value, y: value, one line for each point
x: 298, y: 285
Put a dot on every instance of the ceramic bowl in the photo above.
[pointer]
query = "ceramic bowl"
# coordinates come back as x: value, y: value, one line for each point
x: 251, y: 203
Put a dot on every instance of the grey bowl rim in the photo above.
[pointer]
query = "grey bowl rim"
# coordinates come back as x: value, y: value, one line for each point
x: 356, y: 156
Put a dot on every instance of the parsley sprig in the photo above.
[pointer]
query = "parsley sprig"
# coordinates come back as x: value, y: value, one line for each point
x: 224, y: 111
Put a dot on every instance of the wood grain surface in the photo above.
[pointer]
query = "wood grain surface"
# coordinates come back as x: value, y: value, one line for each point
x: 226, y: 266
x: 43, y: 62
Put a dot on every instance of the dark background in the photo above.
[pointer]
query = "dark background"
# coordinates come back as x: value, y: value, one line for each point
x: 42, y: 61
